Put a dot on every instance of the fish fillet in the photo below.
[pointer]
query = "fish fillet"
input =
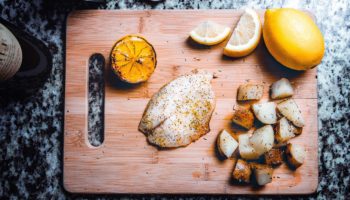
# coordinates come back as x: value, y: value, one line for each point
x: 179, y: 113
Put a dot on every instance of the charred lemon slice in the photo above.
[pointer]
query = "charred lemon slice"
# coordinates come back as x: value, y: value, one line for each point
x: 133, y: 59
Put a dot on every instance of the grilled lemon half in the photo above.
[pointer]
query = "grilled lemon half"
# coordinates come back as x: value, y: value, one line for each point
x: 133, y: 59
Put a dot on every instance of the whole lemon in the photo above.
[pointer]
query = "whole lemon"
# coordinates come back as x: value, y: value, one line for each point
x: 293, y: 38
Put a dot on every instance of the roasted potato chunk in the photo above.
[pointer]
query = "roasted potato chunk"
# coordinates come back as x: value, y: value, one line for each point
x: 263, y: 174
x: 284, y: 130
x: 262, y: 139
x: 274, y: 157
x: 245, y: 149
x: 295, y: 155
x: 291, y: 111
x: 265, y: 112
x: 242, y: 172
x: 243, y: 117
x: 226, y: 144
x: 281, y: 89
x: 250, y: 92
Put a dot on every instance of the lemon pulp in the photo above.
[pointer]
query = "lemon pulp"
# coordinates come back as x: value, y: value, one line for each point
x: 246, y: 35
x: 209, y: 33
x: 133, y: 59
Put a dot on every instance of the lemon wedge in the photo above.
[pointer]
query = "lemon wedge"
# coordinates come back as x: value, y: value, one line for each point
x: 210, y: 33
x: 245, y: 36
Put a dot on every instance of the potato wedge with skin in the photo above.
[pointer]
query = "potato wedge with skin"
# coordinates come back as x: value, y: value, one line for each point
x: 242, y: 172
x: 250, y: 92
x: 262, y: 139
x: 295, y: 155
x: 245, y: 149
x: 226, y: 144
x: 265, y: 112
x: 274, y: 157
x: 291, y: 111
x: 262, y: 173
x: 243, y: 117
x: 281, y: 89
x: 284, y: 130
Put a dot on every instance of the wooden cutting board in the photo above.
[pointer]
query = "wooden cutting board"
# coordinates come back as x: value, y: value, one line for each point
x: 125, y: 162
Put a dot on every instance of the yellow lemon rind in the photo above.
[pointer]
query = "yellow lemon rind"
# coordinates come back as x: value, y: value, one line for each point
x: 297, y: 55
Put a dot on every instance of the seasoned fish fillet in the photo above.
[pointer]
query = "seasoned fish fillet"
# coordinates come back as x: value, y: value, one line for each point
x: 179, y: 113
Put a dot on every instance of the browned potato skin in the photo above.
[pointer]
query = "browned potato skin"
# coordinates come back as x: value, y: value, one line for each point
x: 254, y: 165
x: 298, y: 130
x: 246, y: 91
x: 274, y: 157
x: 242, y: 172
x: 243, y: 117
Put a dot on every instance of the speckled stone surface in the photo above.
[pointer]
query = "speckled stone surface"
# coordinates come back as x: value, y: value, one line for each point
x: 31, y: 130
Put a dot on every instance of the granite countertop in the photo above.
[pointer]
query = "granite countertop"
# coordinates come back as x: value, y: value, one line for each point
x: 31, y: 130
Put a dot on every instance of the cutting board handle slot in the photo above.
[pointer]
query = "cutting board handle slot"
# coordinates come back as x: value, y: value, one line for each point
x: 96, y: 99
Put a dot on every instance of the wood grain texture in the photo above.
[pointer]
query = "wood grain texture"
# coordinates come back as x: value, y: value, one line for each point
x: 125, y: 162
